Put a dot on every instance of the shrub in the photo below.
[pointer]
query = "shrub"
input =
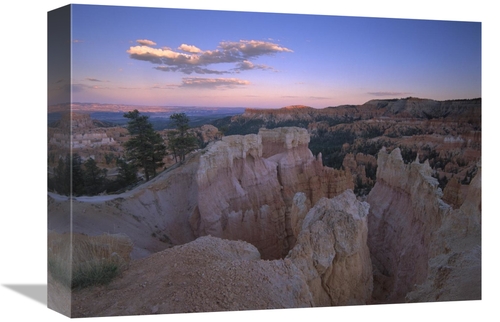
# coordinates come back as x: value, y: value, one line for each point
x: 81, y: 261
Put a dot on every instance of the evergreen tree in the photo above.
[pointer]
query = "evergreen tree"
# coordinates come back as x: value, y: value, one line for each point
x: 93, y: 177
x: 77, y: 182
x: 62, y: 175
x: 145, y: 149
x: 127, y: 172
x: 181, y: 142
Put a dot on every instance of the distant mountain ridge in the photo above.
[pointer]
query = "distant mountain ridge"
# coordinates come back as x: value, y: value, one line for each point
x: 102, y: 107
x: 410, y: 107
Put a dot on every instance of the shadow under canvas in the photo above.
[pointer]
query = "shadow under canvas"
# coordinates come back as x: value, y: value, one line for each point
x: 37, y: 292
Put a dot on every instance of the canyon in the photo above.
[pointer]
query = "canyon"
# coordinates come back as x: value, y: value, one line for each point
x: 258, y: 221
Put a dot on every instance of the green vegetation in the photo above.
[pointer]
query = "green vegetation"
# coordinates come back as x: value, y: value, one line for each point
x: 96, y: 272
x: 82, y: 261
x: 74, y: 177
x: 93, y: 177
x: 180, y: 141
x: 145, y: 149
x: 330, y: 143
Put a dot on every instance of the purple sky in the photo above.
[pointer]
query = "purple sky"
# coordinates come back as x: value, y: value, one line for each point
x: 150, y: 56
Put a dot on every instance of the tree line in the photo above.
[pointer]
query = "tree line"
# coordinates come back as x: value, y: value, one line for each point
x: 144, y: 151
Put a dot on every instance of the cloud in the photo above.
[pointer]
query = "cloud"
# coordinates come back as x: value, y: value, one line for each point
x: 78, y: 87
x: 189, y: 48
x: 168, y: 86
x: 391, y: 94
x: 194, y: 60
x: 248, y: 65
x: 252, y: 48
x: 190, y: 70
x: 319, y: 97
x: 162, y: 56
x: 213, y: 82
x: 145, y: 42
x: 94, y: 80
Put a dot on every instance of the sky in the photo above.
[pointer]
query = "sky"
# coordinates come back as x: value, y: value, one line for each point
x: 177, y: 57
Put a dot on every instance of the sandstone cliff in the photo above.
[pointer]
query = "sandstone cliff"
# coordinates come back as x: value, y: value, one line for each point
x: 332, y: 251
x: 410, y: 107
x: 329, y: 265
x: 410, y: 227
x: 240, y: 187
x: 247, y: 183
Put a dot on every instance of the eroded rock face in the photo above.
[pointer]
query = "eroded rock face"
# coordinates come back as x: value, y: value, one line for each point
x: 329, y: 265
x: 238, y: 188
x: 332, y: 251
x: 240, y: 196
x: 454, y: 272
x: 247, y: 184
x: 410, y: 227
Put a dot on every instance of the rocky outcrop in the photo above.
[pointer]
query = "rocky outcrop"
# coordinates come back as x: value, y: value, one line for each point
x: 410, y: 107
x: 454, y: 272
x: 247, y: 184
x: 206, y: 275
x: 78, y: 133
x: 332, y: 252
x: 237, y: 188
x: 429, y: 109
x: 407, y: 220
x: 329, y: 265
x: 362, y: 167
x: 208, y: 133
x: 453, y: 193
x: 239, y: 195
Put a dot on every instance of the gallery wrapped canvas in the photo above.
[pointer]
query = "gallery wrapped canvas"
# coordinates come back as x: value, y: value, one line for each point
x: 208, y: 161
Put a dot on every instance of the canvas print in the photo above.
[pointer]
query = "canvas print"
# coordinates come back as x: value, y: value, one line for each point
x: 205, y: 161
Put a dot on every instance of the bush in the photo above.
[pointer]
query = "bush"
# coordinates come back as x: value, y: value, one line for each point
x: 81, y: 261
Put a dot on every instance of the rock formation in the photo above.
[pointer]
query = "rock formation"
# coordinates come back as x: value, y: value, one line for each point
x: 257, y: 221
x: 332, y: 252
x: 240, y: 187
x: 410, y: 107
x: 247, y: 184
x: 329, y: 265
x: 410, y: 226
x: 87, y: 137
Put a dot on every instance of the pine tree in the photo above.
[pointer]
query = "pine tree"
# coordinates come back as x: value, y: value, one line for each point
x: 93, y: 177
x: 127, y: 172
x: 145, y: 149
x: 62, y: 176
x: 77, y: 184
x: 181, y: 142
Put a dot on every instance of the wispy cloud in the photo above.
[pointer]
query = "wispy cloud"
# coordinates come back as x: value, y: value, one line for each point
x: 319, y: 97
x: 390, y: 94
x: 167, y: 86
x: 190, y: 69
x: 79, y: 87
x: 213, y: 82
x: 192, y: 59
x: 94, y: 80
x: 252, y: 48
x: 248, y: 65
x: 146, y: 42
